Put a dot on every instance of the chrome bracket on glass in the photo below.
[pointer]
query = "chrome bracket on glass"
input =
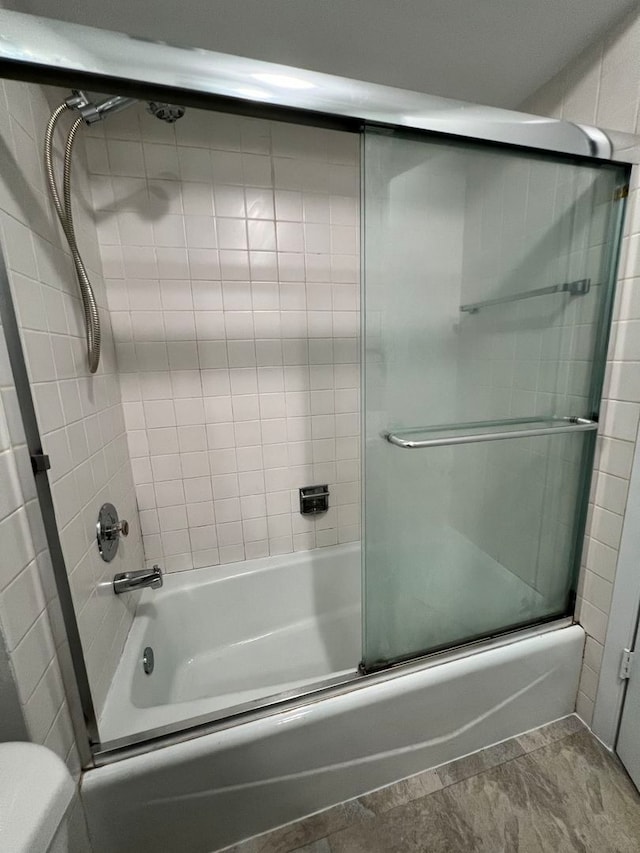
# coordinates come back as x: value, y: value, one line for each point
x: 516, y: 428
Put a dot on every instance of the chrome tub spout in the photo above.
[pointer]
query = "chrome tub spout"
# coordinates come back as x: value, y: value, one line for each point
x: 130, y: 581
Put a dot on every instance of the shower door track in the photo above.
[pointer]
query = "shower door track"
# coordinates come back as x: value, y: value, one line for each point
x: 186, y: 730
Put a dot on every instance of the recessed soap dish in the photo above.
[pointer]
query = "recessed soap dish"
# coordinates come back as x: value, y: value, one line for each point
x: 314, y: 499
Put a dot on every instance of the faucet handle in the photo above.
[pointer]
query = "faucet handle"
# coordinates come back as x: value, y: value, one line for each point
x: 120, y: 528
x: 109, y: 529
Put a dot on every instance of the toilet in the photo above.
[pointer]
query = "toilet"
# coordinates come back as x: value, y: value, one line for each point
x: 36, y: 792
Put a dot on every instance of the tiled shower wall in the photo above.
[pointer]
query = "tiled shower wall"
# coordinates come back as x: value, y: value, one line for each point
x: 230, y: 254
x: 31, y: 628
x: 80, y: 416
x: 603, y: 87
x: 529, y: 224
x: 30, y: 618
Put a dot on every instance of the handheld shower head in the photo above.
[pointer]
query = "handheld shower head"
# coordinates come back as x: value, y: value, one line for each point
x: 114, y: 104
x: 92, y: 112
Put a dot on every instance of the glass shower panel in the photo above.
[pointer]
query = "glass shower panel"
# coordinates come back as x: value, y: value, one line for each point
x: 487, y: 290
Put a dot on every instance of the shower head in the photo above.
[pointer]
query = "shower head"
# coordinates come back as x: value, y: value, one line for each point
x: 92, y: 112
x: 164, y: 111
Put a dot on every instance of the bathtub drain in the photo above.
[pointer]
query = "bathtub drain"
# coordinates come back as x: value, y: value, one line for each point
x: 148, y: 660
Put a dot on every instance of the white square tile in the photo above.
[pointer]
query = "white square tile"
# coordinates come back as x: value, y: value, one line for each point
x: 159, y: 413
x: 203, y: 537
x: 259, y: 203
x: 212, y: 354
x: 236, y: 296
x: 194, y: 464
x: 234, y: 264
x: 191, y: 438
x: 200, y: 515
x: 241, y: 353
x: 175, y: 542
x: 220, y: 436
x: 244, y: 380
x: 217, y: 410
x: 232, y: 233
x: 261, y: 235
x: 172, y: 518
x: 290, y: 237
x: 197, y: 199
x: 263, y: 265
x: 200, y: 232
x: 204, y: 265
x: 249, y: 458
x: 229, y: 200
x: 189, y: 411
x: 170, y: 493
x: 229, y: 534
x: 227, y: 167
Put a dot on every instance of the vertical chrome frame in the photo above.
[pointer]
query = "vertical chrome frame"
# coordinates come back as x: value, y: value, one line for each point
x: 78, y: 694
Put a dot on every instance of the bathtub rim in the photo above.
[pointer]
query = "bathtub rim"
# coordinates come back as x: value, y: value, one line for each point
x: 109, y: 752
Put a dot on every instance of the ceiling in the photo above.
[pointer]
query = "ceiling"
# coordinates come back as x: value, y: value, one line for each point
x: 488, y: 51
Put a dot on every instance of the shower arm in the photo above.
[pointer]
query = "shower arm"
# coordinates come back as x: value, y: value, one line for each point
x: 64, y: 212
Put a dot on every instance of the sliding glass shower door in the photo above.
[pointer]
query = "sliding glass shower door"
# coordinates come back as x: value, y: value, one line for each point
x: 488, y: 284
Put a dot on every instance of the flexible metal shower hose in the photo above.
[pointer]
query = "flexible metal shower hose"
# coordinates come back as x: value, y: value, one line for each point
x: 63, y: 209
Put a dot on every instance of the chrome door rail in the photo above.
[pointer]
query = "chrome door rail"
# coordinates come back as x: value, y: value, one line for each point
x: 574, y: 288
x: 49, y: 50
x: 554, y: 426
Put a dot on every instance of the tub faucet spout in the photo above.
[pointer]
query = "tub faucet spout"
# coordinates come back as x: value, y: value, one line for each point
x: 129, y: 581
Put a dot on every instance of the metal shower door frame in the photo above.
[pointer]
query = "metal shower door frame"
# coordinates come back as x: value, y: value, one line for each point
x: 45, y: 51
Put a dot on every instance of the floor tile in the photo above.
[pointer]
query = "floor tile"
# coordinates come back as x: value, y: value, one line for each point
x: 473, y: 764
x: 553, y: 790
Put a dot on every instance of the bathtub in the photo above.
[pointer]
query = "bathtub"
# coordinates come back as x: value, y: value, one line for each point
x: 252, y: 773
x: 227, y: 636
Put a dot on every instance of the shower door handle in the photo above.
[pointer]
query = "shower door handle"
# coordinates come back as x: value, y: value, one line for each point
x: 553, y: 427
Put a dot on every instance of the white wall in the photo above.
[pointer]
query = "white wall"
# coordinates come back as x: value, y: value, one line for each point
x: 229, y: 249
x: 80, y: 416
x: 603, y: 87
x: 32, y: 638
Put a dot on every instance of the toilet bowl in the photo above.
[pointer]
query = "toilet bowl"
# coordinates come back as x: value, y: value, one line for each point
x: 36, y: 791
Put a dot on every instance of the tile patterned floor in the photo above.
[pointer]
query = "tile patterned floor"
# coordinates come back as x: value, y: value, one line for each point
x: 552, y: 790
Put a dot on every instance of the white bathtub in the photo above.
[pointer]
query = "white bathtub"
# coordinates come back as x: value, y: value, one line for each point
x: 203, y: 794
x: 229, y: 635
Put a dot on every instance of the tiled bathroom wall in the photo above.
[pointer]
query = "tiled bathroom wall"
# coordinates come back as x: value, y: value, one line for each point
x: 80, y: 416
x: 529, y: 224
x: 230, y: 254
x: 30, y: 617
x: 31, y: 630
x: 603, y: 87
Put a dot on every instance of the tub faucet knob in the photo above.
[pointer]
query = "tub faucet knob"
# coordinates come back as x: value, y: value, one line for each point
x: 120, y: 528
x: 109, y: 529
